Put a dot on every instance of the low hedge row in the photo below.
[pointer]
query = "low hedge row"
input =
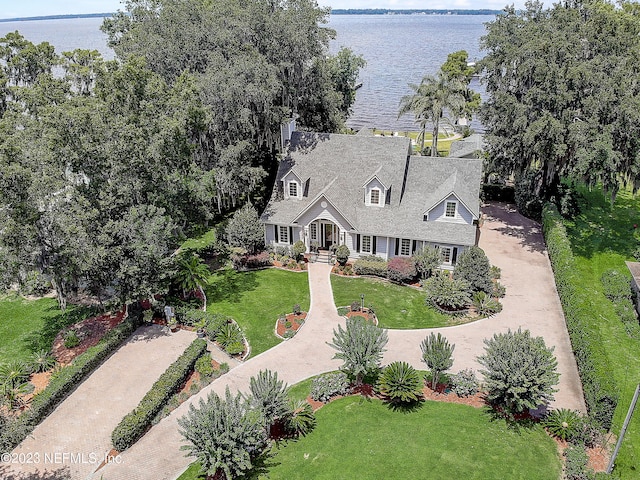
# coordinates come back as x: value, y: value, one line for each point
x: 370, y: 266
x: 63, y: 383
x: 136, y: 423
x: 600, y: 389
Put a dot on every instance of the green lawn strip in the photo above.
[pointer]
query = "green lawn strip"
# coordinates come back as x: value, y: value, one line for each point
x: 30, y: 325
x: 602, y: 238
x: 365, y: 439
x: 255, y: 299
x: 395, y: 306
x: 206, y: 239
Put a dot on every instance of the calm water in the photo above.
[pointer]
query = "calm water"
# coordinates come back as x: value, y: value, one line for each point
x: 399, y: 49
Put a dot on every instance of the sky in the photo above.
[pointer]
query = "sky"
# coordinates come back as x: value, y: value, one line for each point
x: 34, y: 8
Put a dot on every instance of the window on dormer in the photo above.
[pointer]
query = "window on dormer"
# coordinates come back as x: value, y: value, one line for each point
x: 450, y: 210
x: 375, y: 196
x: 293, y: 189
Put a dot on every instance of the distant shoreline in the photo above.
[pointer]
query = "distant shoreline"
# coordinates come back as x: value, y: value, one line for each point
x: 337, y: 11
x: 57, y: 17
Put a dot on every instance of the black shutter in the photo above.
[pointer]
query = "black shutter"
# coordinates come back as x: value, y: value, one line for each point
x: 397, y: 246
x: 413, y: 247
x: 454, y: 255
x: 373, y: 251
x: 290, y: 235
x: 275, y: 230
x: 358, y: 243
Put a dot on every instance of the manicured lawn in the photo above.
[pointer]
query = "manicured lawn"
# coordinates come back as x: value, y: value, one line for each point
x: 27, y: 326
x: 364, y: 439
x: 603, y: 237
x: 19, y: 319
x: 255, y: 299
x: 201, y: 241
x: 395, y: 306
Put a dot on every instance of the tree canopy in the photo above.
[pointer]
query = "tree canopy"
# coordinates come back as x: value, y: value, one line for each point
x: 563, y: 94
x: 105, y: 167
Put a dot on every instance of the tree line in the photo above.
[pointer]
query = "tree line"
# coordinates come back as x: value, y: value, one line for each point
x: 106, y: 165
x: 563, y: 96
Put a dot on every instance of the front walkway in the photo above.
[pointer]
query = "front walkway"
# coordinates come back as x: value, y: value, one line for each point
x: 511, y: 241
x: 157, y: 455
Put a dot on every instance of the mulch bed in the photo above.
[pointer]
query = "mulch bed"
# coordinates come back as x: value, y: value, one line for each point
x: 90, y: 332
x: 296, y: 323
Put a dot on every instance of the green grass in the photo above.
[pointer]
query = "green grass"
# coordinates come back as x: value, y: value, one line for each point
x: 255, y: 299
x: 207, y: 239
x: 19, y: 319
x: 603, y: 237
x: 27, y: 326
x: 365, y: 439
x: 395, y: 306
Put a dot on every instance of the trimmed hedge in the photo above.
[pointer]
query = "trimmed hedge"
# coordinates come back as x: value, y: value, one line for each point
x: 370, y: 265
x: 64, y: 382
x: 136, y: 423
x: 600, y: 389
x: 401, y: 269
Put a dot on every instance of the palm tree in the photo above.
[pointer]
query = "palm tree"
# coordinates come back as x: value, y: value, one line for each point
x: 430, y: 99
x: 192, y: 274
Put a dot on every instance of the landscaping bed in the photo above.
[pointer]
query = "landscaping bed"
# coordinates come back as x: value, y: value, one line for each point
x: 288, y: 325
x: 89, y: 332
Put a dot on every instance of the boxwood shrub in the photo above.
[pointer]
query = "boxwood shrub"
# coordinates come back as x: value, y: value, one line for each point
x: 64, y: 382
x: 600, y: 389
x: 370, y: 265
x: 136, y: 422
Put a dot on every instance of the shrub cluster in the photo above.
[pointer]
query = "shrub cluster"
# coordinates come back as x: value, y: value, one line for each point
x: 600, y: 390
x: 464, y: 383
x: 135, y: 423
x: 331, y: 384
x: 251, y: 261
x: 370, y: 265
x: 447, y: 293
x: 401, y: 269
x: 617, y: 288
x: 63, y: 383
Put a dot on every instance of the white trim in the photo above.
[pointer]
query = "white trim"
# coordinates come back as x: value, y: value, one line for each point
x: 428, y: 210
x: 285, y: 236
x: 315, y: 201
x: 371, y: 202
x: 362, y: 250
x: 293, y: 183
x: 401, y: 246
x: 455, y: 208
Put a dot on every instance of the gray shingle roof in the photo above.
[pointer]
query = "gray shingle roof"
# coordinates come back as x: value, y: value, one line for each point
x: 338, y: 166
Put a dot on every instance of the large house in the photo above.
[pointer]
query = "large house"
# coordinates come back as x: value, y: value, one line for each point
x: 370, y: 194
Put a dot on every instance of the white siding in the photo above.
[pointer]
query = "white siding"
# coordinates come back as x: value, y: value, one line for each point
x: 291, y: 177
x: 375, y: 183
x: 318, y: 212
x: 462, y: 214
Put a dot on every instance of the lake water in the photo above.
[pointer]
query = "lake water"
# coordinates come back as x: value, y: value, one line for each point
x: 399, y: 49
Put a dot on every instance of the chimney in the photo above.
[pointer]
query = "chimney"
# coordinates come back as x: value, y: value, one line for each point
x: 286, y: 130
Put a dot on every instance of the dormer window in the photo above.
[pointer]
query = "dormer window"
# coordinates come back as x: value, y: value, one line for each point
x: 375, y: 196
x: 450, y: 209
x: 293, y: 189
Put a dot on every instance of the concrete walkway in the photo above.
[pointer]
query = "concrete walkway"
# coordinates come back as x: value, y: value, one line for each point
x: 73, y: 440
x: 512, y: 242
x: 157, y: 455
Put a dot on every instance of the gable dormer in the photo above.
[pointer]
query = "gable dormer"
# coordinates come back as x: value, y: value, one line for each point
x: 292, y: 185
x: 375, y: 193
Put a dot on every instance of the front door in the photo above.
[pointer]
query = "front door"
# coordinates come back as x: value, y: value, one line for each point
x: 328, y: 235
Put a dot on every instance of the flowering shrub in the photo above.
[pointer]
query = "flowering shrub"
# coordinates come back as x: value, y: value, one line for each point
x: 258, y: 260
x: 401, y: 270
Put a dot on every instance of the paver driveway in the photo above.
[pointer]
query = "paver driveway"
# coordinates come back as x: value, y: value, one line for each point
x: 511, y: 241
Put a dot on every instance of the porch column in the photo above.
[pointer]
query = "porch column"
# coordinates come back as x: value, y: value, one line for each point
x: 307, y: 238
